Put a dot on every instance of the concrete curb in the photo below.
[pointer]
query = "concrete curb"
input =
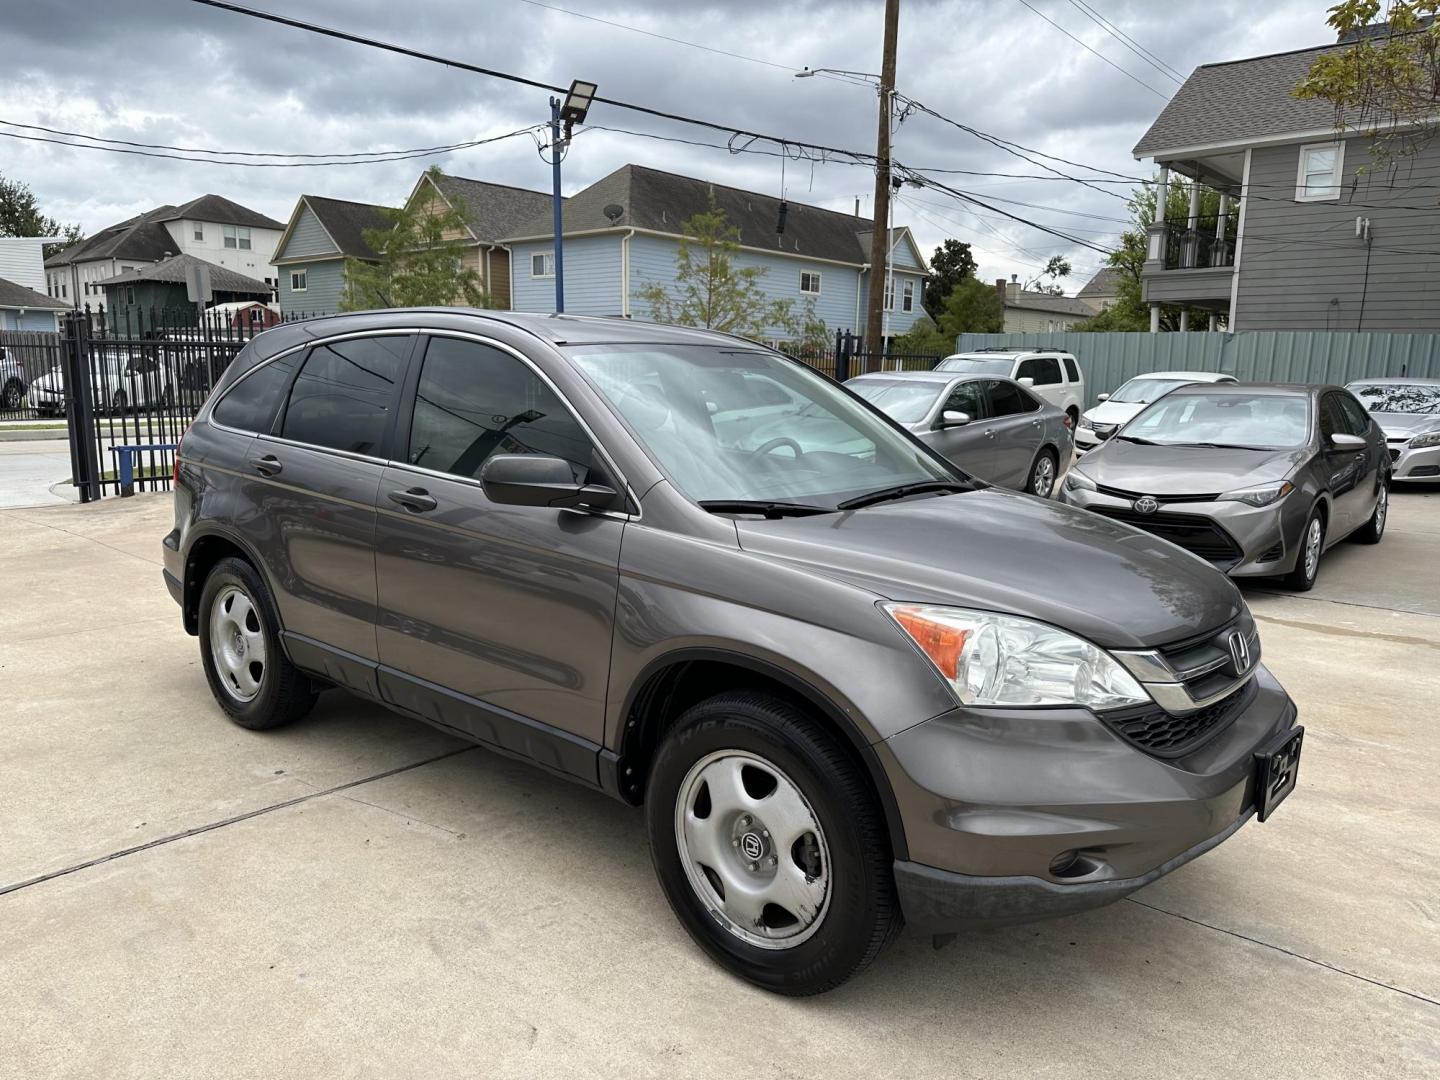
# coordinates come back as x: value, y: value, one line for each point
x: 38, y: 435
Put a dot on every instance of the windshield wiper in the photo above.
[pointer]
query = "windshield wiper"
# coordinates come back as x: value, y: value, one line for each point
x: 766, y: 507
x: 899, y: 491
x: 1224, y: 446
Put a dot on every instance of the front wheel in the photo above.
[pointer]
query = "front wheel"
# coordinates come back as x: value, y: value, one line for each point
x: 1042, y: 475
x: 1374, y: 529
x: 769, y: 844
x: 1307, y: 563
x: 14, y: 395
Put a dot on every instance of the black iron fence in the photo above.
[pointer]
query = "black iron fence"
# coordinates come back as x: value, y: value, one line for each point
x: 25, y: 356
x: 847, y: 358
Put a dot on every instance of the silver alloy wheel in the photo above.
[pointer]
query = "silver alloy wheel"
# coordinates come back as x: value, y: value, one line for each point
x: 1043, y: 478
x: 237, y: 643
x: 1381, y: 505
x: 753, y: 849
x: 1312, y: 548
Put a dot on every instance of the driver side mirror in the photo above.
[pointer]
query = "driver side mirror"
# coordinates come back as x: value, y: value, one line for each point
x: 1343, y: 440
x: 1102, y: 397
x: 953, y: 418
x: 533, y: 480
x: 1025, y: 380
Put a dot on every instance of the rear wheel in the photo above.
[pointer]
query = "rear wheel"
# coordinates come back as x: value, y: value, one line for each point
x: 14, y: 395
x: 1374, y: 529
x: 118, y: 401
x: 769, y: 845
x: 1042, y: 474
x: 1307, y: 563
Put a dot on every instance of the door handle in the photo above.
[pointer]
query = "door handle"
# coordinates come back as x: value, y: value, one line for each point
x: 989, y: 434
x: 268, y: 465
x: 416, y: 500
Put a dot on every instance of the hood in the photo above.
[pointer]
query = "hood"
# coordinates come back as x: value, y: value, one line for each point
x: 1001, y: 551
x: 1403, y: 425
x: 1113, y: 412
x: 1186, y: 470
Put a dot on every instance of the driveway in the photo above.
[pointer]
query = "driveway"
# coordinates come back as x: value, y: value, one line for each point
x: 29, y: 469
x: 362, y: 896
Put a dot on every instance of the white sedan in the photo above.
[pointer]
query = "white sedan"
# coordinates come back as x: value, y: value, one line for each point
x: 1117, y: 409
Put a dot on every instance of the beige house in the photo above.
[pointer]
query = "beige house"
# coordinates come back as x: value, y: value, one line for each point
x: 1038, y: 312
x: 491, y: 212
x: 1102, y: 290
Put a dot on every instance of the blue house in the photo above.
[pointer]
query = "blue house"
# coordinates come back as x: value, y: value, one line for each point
x: 622, y: 234
x: 321, y: 234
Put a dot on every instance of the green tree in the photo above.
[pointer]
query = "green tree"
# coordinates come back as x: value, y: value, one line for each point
x: 1389, y: 82
x: 971, y: 308
x: 710, y: 290
x: 951, y: 264
x: 20, y: 215
x: 924, y: 338
x: 815, y: 336
x: 421, y: 261
x: 1129, y: 312
x: 1048, y: 280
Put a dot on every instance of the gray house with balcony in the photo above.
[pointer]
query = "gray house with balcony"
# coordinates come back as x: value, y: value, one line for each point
x: 1326, y: 237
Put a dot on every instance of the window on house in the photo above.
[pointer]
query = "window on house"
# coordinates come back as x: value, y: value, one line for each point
x: 907, y: 297
x: 810, y: 282
x: 130, y: 295
x: 237, y: 236
x: 199, y: 232
x: 889, y: 293
x: 297, y: 280
x: 542, y: 264
x: 1321, y: 165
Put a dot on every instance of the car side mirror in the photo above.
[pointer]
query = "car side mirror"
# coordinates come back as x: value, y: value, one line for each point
x: 1102, y: 397
x: 534, y: 480
x: 1026, y: 381
x: 954, y: 418
x: 1343, y: 440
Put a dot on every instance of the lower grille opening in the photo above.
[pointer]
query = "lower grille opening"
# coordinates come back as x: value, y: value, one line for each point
x: 1162, y: 734
x: 1195, y: 534
x: 1274, y: 554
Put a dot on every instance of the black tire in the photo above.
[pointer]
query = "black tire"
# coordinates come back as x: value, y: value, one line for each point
x: 860, y: 914
x: 284, y: 692
x: 1374, y: 529
x: 1044, y: 471
x: 1302, y: 578
x: 119, y: 402
x: 14, y: 396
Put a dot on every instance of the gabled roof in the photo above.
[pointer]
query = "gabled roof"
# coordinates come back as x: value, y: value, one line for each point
x: 345, y: 222
x: 18, y: 296
x: 491, y: 210
x: 661, y: 201
x: 1059, y: 305
x: 142, y: 237
x: 222, y: 211
x: 1106, y: 282
x: 897, y: 234
x: 1240, y: 101
x: 172, y: 272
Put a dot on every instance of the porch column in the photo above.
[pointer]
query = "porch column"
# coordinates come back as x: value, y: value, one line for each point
x: 1218, y: 255
x: 1214, y: 322
x: 1184, y: 319
x: 1154, y: 318
x: 1155, y: 242
x: 1192, y: 228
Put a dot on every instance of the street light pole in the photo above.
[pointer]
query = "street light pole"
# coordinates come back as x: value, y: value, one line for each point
x: 880, y: 231
x: 556, y: 151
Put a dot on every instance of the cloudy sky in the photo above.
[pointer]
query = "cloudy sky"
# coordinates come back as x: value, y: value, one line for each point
x: 177, y: 73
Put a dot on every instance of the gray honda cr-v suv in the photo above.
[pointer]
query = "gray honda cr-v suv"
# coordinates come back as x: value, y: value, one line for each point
x: 850, y: 685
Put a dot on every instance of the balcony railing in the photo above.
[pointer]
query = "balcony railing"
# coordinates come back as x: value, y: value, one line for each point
x: 1189, y: 249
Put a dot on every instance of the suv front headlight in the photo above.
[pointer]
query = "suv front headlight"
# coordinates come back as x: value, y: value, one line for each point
x: 1263, y: 495
x: 990, y: 659
x: 1430, y: 438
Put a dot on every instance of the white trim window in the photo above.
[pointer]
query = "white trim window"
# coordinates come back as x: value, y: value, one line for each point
x: 889, y: 292
x: 1319, y: 173
x: 810, y: 282
x: 199, y: 232
x: 237, y: 236
x: 298, y: 280
x: 542, y: 264
x: 907, y: 296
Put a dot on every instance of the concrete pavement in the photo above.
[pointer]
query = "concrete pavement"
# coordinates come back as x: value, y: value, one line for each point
x: 359, y: 895
x: 30, y: 469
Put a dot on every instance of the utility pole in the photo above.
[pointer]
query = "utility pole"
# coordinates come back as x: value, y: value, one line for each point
x: 880, y: 224
x: 556, y: 151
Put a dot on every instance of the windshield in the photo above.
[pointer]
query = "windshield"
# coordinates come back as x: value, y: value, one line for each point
x: 1144, y: 391
x: 1262, y: 422
x: 904, y: 402
x: 738, y: 424
x: 1398, y: 397
x: 974, y: 365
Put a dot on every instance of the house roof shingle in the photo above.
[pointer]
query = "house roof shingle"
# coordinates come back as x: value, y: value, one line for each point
x: 347, y: 221
x: 493, y: 211
x: 222, y: 211
x: 661, y: 201
x: 145, y: 238
x: 1060, y: 305
x: 1106, y: 282
x: 18, y: 296
x: 172, y: 272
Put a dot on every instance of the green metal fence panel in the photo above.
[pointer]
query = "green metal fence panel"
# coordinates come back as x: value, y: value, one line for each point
x: 1107, y: 360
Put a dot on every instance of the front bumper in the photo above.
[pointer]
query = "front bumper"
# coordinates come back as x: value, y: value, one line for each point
x: 1410, y: 464
x: 995, y: 801
x: 44, y: 400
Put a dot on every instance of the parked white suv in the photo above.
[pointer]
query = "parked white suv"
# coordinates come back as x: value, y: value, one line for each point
x: 1049, y: 373
x: 1117, y: 409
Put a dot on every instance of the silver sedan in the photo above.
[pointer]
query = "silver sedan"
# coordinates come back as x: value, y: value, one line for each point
x: 991, y: 427
x: 1408, y: 411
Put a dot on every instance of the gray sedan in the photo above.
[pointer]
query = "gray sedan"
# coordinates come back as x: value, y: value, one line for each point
x: 1257, y: 479
x: 1408, y: 411
x: 991, y: 427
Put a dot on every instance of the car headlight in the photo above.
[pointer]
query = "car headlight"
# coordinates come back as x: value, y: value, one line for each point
x: 1075, y: 480
x: 1430, y: 438
x: 1263, y: 495
x: 1086, y: 424
x: 1002, y: 660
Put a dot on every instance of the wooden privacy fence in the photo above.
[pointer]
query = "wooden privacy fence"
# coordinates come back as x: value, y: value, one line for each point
x: 1107, y: 360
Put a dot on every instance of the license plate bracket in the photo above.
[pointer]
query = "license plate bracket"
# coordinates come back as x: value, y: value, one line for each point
x: 1277, y: 769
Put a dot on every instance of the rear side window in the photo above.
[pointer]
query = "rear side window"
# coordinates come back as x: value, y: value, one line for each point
x: 1007, y: 399
x: 252, y: 403
x: 1070, y: 369
x: 474, y: 400
x: 345, y: 392
x: 1045, y: 370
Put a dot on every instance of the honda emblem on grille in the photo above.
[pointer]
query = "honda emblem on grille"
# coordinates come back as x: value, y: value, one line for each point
x: 1240, y: 652
x: 1147, y: 504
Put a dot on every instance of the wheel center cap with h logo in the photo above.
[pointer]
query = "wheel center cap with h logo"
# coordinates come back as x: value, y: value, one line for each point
x: 752, y: 846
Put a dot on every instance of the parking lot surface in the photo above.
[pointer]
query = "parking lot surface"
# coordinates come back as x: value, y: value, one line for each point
x: 360, y: 895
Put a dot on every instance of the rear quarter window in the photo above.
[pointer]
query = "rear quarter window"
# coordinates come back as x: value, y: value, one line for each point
x: 251, y: 404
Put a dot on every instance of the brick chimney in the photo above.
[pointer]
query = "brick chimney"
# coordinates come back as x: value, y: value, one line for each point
x: 1009, y: 290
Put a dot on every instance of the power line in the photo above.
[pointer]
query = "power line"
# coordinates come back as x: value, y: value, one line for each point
x: 1115, y: 32
x: 1129, y: 75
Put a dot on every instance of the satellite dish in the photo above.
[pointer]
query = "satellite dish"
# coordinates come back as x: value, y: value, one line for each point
x: 614, y: 211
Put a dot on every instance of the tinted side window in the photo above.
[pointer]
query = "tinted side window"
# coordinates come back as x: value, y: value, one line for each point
x: 1045, y: 370
x: 474, y: 400
x: 1332, y: 420
x: 344, y: 394
x: 966, y: 398
x: 1070, y: 368
x: 1007, y: 399
x: 252, y: 403
x: 1357, y: 419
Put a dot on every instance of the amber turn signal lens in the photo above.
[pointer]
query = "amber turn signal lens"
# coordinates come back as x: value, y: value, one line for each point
x: 942, y: 644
